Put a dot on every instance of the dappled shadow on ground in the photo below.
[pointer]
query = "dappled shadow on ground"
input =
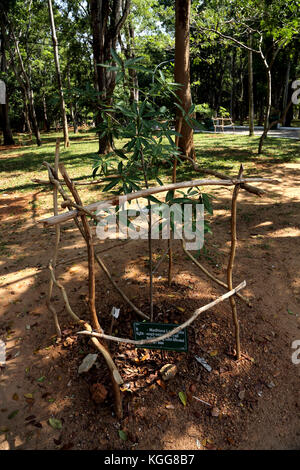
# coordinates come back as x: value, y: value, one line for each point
x: 257, y: 397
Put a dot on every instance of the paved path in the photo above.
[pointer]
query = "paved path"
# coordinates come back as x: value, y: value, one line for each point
x: 287, y: 132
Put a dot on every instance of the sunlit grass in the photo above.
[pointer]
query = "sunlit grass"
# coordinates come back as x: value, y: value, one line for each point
x: 23, y: 162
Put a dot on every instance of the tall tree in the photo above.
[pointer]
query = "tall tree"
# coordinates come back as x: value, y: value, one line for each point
x: 250, y: 87
x: 59, y: 79
x: 27, y: 86
x: 182, y: 71
x: 107, y: 19
x: 128, y: 51
x: 273, y: 25
x: 4, y: 116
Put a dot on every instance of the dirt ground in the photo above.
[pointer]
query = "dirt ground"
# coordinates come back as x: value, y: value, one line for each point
x: 258, y: 398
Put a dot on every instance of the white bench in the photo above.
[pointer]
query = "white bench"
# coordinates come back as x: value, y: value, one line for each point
x: 220, y: 122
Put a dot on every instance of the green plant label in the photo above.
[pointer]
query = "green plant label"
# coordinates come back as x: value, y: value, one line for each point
x: 146, y: 330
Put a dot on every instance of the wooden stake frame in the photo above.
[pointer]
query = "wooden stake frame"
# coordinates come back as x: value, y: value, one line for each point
x: 77, y: 211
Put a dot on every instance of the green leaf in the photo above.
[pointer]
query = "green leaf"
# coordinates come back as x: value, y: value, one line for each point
x: 207, y: 203
x: 110, y: 185
x: 120, y: 153
x: 169, y: 195
x: 41, y: 379
x: 181, y: 109
x: 153, y: 199
x: 55, y: 423
x: 290, y: 312
x: 116, y: 57
x: 183, y: 398
x: 13, y: 414
x: 123, y: 435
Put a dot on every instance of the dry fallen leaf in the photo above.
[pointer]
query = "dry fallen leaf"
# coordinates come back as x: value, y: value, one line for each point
x: 213, y: 353
x: 161, y: 384
x: 215, y: 412
x: 169, y: 406
x: 168, y: 371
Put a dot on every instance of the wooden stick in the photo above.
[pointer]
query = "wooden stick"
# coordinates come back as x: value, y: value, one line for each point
x: 247, y: 187
x: 54, y: 179
x: 170, y: 240
x: 101, y: 205
x: 99, y: 261
x: 64, y: 294
x: 202, y: 401
x: 122, y: 294
x: 51, y: 308
x: 149, y: 238
x: 176, y: 144
x: 115, y: 375
x: 160, y: 260
x: 231, y: 264
x: 77, y: 183
x: 175, y: 330
x: 90, y: 249
x: 80, y: 208
x: 211, y: 276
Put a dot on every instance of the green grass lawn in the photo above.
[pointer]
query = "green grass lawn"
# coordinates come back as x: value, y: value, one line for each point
x: 18, y: 165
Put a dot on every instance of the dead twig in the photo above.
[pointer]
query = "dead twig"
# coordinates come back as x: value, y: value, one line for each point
x: 231, y: 264
x: 77, y: 183
x: 174, y: 175
x: 145, y: 193
x: 202, y: 401
x: 87, y: 235
x: 175, y: 330
x: 90, y: 249
x: 57, y: 239
x: 98, y: 345
x: 64, y: 294
x: 122, y: 294
x: 68, y: 203
x: 210, y: 275
x: 247, y: 187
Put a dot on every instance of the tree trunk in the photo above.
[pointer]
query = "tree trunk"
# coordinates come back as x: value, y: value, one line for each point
x: 46, y: 122
x: 268, y: 67
x: 26, y: 112
x: 182, y: 71
x: 129, y: 53
x: 286, y: 89
x: 5, y: 124
x: 28, y: 90
x: 267, y: 112
x: 250, y: 88
x: 4, y: 116
x: 233, y: 86
x: 75, y: 120
x: 59, y: 80
x: 73, y: 109
x: 106, y: 23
